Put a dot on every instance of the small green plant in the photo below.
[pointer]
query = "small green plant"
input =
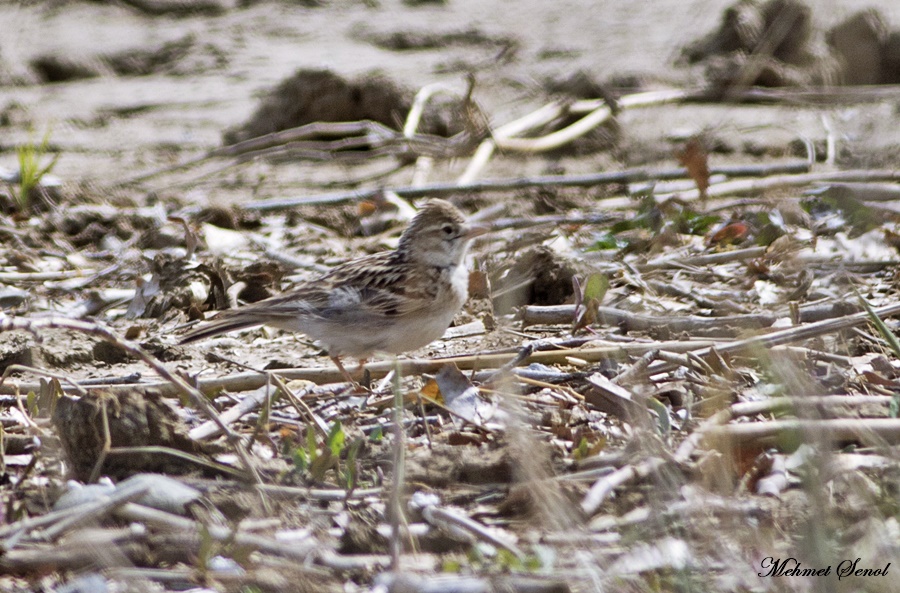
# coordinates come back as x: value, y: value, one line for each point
x: 31, y: 171
x: 317, y: 460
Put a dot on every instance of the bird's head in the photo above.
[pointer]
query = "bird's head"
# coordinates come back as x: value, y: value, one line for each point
x: 439, y: 235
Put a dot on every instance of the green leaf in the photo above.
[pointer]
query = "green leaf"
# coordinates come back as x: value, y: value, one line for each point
x: 311, y: 445
x: 582, y: 450
x: 206, y: 549
x: 626, y: 225
x: 335, y: 439
x: 301, y: 459
x: 595, y: 287
x: 662, y: 413
x: 351, y: 474
x: 699, y: 224
x: 508, y: 560
x: 607, y: 240
x: 29, y: 157
x: 320, y: 465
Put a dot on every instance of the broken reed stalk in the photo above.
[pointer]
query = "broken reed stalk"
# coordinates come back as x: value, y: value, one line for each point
x: 354, y: 141
x: 320, y: 375
x: 179, y: 385
x: 743, y: 186
x: 330, y: 374
x: 599, y: 111
x: 58, y: 521
x: 873, y: 432
x: 693, y: 325
x: 399, y: 480
x: 769, y: 406
x: 783, y: 337
x: 714, y: 427
x: 514, y: 183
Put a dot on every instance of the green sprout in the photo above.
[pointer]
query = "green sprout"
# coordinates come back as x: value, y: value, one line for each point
x: 31, y: 171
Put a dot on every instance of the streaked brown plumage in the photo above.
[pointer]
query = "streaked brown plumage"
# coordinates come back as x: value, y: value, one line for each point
x: 390, y: 302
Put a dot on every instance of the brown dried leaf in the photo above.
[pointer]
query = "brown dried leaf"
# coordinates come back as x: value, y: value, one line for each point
x: 693, y: 157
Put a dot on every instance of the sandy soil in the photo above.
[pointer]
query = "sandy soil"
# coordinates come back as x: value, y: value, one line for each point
x: 110, y: 127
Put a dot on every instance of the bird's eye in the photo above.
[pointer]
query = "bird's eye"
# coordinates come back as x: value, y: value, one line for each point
x: 448, y: 230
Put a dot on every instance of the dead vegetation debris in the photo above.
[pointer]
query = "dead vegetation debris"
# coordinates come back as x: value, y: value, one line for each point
x: 663, y: 373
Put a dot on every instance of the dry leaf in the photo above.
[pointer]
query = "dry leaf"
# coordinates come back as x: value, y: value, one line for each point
x: 693, y: 157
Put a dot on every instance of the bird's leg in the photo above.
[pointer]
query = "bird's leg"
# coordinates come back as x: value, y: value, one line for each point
x: 353, y: 382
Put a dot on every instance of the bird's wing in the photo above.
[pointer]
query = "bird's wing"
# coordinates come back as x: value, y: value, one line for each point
x: 377, y: 285
x: 358, y: 292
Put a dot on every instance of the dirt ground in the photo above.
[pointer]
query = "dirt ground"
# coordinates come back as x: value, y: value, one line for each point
x: 566, y: 484
x: 109, y: 127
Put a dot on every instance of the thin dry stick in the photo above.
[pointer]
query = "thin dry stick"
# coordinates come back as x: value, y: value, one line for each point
x: 396, y: 505
x: 503, y: 137
x: 15, y: 368
x: 198, y: 461
x: 330, y: 374
x: 707, y: 259
x: 769, y: 406
x: 107, y: 443
x: 300, y: 405
x: 179, y: 384
x: 630, y: 322
x: 485, y: 150
x: 600, y: 113
x: 758, y: 185
x: 782, y: 23
x: 438, y: 515
x: 210, y: 429
x: 603, y: 487
x: 71, y: 517
x: 14, y: 277
x: 827, y: 96
x: 787, y: 336
x: 514, y: 183
x: 366, y: 129
x: 414, y: 117
x: 870, y: 431
x: 190, y: 529
x: 121, y: 544
x: 320, y: 494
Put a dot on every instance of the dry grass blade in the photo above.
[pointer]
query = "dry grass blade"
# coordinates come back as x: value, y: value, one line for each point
x: 883, y: 329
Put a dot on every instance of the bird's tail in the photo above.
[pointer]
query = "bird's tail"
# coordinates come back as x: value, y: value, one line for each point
x: 220, y: 326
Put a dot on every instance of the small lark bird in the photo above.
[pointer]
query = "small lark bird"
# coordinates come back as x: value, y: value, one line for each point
x: 389, y: 302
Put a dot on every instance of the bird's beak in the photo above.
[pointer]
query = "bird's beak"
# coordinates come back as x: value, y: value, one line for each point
x: 476, y: 230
